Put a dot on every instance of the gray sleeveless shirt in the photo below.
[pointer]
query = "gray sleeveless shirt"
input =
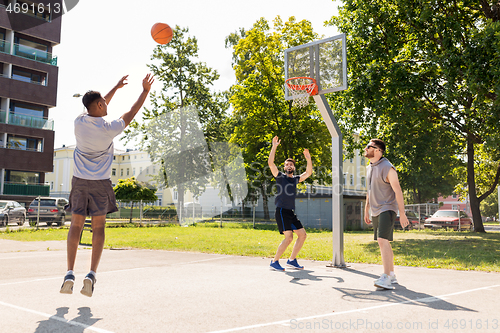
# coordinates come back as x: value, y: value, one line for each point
x: 381, y: 196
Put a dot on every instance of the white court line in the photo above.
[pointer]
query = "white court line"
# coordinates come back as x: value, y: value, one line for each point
x: 107, y: 272
x: 61, y: 252
x: 46, y: 315
x: 282, y: 322
x: 60, y: 276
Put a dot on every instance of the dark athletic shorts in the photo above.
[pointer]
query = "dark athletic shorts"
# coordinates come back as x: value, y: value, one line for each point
x: 91, y: 197
x: 287, y: 220
x: 383, y: 225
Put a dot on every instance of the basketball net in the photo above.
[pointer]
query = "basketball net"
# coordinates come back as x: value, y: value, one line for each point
x: 300, y: 89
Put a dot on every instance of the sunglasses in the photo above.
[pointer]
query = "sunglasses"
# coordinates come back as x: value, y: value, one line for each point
x: 370, y: 146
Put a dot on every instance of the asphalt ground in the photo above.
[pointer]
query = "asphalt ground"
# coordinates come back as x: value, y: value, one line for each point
x: 165, y: 291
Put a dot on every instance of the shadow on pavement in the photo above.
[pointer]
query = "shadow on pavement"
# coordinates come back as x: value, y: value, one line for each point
x: 57, y: 322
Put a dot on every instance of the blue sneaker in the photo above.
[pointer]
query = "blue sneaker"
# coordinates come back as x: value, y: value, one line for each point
x: 294, y: 264
x: 276, y: 266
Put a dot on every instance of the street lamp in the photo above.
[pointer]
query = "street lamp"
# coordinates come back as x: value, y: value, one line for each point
x: 79, y: 95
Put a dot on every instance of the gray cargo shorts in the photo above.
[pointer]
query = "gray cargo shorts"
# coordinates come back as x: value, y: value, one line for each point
x: 91, y: 197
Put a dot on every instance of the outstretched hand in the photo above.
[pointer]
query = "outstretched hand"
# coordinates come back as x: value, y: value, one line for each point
x: 306, y: 154
x: 276, y: 141
x: 122, y: 82
x: 147, y: 82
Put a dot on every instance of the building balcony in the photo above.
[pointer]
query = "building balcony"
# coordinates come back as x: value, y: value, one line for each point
x: 27, y: 52
x: 4, y: 47
x: 26, y: 121
x: 26, y: 189
x: 34, y: 54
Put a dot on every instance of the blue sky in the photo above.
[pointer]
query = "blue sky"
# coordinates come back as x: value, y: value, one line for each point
x: 103, y: 40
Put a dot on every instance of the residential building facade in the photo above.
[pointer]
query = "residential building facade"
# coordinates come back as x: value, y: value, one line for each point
x: 28, y: 90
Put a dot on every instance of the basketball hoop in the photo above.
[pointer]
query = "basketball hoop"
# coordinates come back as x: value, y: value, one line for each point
x: 300, y: 90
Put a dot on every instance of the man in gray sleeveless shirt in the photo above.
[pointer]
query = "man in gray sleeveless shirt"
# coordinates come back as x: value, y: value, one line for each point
x: 383, y: 200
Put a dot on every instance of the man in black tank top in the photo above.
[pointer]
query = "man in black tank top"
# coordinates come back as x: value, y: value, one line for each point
x: 288, y: 223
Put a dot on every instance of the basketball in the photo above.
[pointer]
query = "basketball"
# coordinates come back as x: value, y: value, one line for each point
x: 161, y: 33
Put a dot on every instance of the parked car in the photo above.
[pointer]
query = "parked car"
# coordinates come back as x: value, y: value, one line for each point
x: 11, y: 211
x: 449, y: 219
x: 51, y: 211
x: 412, y: 218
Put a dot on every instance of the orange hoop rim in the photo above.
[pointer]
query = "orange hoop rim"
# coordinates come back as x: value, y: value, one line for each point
x: 313, y: 87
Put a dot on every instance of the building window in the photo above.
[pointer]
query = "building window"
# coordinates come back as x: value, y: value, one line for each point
x: 129, y: 157
x: 135, y: 157
x: 23, y: 143
x: 121, y: 172
x: 123, y: 158
x: 363, y: 161
x: 128, y: 171
x: 454, y: 207
x: 140, y: 170
x: 175, y: 195
x: 51, y: 186
x: 26, y: 109
x: 113, y: 172
x: 133, y: 171
x: 28, y: 76
x: 147, y: 171
x: 154, y: 169
x: 363, y: 181
x: 345, y: 180
x: 454, y: 196
x: 114, y: 158
x: 351, y: 180
x: 21, y: 177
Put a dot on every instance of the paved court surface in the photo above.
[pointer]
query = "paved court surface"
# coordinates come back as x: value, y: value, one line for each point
x: 163, y: 291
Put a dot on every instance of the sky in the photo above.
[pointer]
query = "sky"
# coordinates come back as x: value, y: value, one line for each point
x: 101, y: 41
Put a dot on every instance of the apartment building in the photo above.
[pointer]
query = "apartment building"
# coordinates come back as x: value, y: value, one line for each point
x: 28, y: 90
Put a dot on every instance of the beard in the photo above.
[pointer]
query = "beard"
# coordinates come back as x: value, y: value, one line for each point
x: 289, y: 171
x: 369, y: 154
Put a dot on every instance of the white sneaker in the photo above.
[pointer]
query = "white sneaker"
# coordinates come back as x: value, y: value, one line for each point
x: 383, y: 282
x: 393, y: 279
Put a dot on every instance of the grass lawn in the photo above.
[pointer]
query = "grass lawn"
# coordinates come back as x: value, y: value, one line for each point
x: 432, y: 249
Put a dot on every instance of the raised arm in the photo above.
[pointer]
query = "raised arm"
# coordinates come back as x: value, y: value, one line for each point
x: 146, y: 87
x: 392, y: 177
x: 119, y: 85
x: 270, y: 160
x: 309, y: 167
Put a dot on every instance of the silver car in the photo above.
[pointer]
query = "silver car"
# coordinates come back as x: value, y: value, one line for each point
x: 11, y: 211
x: 51, y: 211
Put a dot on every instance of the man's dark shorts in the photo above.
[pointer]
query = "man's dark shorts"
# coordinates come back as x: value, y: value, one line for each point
x: 383, y: 225
x: 91, y: 197
x: 287, y: 220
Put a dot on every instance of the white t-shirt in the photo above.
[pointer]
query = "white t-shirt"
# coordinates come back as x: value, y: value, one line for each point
x: 94, y: 146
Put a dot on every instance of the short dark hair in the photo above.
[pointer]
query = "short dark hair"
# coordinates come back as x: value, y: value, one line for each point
x: 379, y: 143
x: 290, y: 160
x: 90, y: 97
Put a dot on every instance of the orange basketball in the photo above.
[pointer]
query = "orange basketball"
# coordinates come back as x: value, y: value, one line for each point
x: 161, y: 33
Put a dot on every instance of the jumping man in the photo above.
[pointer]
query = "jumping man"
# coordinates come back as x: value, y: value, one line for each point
x: 288, y: 223
x: 92, y: 193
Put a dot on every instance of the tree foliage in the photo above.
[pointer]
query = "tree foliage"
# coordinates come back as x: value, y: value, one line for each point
x: 424, y: 76
x: 184, y: 116
x: 260, y: 110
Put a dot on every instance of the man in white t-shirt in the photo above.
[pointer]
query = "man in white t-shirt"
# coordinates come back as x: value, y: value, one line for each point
x: 91, y: 190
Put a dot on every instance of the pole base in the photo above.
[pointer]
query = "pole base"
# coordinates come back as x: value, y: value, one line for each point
x: 337, y: 266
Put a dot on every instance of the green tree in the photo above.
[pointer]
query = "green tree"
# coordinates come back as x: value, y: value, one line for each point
x: 261, y: 112
x: 417, y: 65
x: 489, y: 206
x: 131, y: 190
x: 183, y: 109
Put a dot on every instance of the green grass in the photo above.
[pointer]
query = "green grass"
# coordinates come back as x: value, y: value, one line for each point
x: 432, y: 249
